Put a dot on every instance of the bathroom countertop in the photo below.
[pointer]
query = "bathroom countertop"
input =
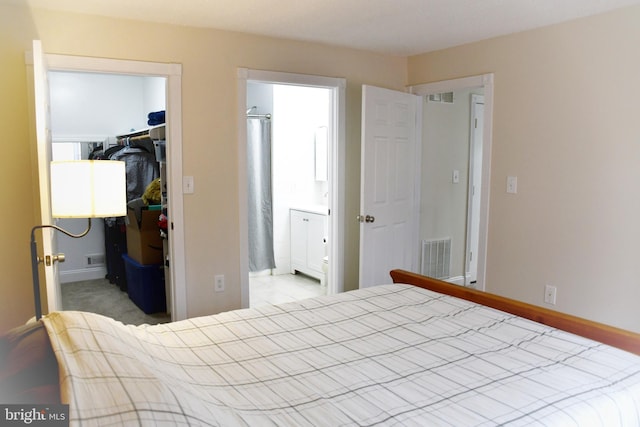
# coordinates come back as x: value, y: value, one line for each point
x: 317, y: 209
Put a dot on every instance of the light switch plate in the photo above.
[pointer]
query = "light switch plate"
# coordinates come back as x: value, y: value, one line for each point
x: 187, y: 185
x: 512, y: 184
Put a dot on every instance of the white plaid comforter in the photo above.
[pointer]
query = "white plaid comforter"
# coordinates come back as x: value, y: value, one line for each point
x: 388, y: 355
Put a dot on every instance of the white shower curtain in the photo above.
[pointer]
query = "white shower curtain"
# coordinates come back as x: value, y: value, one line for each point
x: 260, y: 213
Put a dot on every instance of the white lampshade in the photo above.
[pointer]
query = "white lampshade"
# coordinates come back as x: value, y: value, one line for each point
x: 88, y: 189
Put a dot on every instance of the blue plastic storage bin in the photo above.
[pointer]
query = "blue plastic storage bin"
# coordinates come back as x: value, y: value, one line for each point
x: 145, y: 285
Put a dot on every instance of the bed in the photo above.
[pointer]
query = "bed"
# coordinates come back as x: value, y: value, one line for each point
x: 415, y: 352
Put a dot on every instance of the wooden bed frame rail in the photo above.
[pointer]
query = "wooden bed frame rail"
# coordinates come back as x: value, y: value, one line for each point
x: 616, y: 337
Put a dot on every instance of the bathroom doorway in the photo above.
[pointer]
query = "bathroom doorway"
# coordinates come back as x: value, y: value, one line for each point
x: 287, y: 173
x: 302, y: 119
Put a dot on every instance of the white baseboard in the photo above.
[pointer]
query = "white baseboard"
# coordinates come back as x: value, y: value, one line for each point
x: 280, y: 271
x: 90, y: 273
x: 458, y: 280
x: 275, y: 272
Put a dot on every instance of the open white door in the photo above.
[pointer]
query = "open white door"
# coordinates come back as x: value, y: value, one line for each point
x: 43, y: 140
x: 389, y: 183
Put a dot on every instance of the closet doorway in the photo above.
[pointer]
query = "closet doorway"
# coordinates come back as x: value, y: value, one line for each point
x: 456, y: 175
x: 171, y: 75
x: 88, y: 111
x: 291, y: 164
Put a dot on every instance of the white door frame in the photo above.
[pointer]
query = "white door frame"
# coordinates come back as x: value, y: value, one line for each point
x: 173, y: 75
x: 485, y: 81
x: 336, y: 157
x: 471, y: 264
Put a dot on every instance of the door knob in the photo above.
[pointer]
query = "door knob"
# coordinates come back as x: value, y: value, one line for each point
x: 365, y: 218
x: 50, y: 259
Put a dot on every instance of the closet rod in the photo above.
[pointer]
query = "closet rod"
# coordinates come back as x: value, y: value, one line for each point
x: 128, y: 139
x: 139, y: 137
x: 258, y: 116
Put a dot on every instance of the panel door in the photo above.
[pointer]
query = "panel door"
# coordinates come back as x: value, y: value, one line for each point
x: 389, y: 184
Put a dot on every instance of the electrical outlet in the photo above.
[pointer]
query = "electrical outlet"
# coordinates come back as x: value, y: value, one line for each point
x: 550, y: 294
x: 219, y: 283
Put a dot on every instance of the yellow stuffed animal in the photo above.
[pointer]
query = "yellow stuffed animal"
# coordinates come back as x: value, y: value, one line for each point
x: 152, y: 194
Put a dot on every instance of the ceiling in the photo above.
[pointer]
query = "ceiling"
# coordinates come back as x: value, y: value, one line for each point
x: 397, y: 27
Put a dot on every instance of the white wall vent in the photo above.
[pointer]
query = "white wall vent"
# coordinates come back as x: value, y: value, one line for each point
x: 444, y: 97
x: 436, y: 258
x: 94, y: 260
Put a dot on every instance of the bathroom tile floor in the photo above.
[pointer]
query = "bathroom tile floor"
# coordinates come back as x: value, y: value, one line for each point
x: 265, y: 290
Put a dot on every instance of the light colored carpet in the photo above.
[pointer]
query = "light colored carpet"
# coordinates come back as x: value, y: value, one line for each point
x: 100, y: 296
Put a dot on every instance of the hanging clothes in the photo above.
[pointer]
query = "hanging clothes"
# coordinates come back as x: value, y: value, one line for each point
x: 141, y: 168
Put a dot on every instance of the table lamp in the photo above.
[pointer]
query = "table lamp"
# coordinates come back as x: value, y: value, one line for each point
x: 81, y: 189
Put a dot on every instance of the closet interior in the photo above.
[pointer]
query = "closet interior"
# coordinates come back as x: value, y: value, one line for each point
x: 89, y: 112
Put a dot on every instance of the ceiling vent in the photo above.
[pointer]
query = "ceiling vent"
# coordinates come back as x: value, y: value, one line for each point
x: 444, y: 97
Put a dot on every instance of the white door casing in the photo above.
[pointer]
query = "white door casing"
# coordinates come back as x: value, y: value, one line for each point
x: 485, y: 81
x: 475, y: 186
x: 173, y: 75
x: 336, y: 155
x: 389, y: 184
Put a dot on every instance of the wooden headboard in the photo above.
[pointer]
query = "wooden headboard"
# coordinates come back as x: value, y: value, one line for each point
x: 616, y: 337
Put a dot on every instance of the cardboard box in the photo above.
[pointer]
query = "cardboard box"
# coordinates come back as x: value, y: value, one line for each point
x: 144, y: 243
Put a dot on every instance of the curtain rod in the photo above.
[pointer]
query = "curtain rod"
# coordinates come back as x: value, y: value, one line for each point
x: 258, y: 116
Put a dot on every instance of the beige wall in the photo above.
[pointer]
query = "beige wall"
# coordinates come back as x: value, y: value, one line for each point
x: 17, y: 185
x: 210, y: 60
x: 566, y: 124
